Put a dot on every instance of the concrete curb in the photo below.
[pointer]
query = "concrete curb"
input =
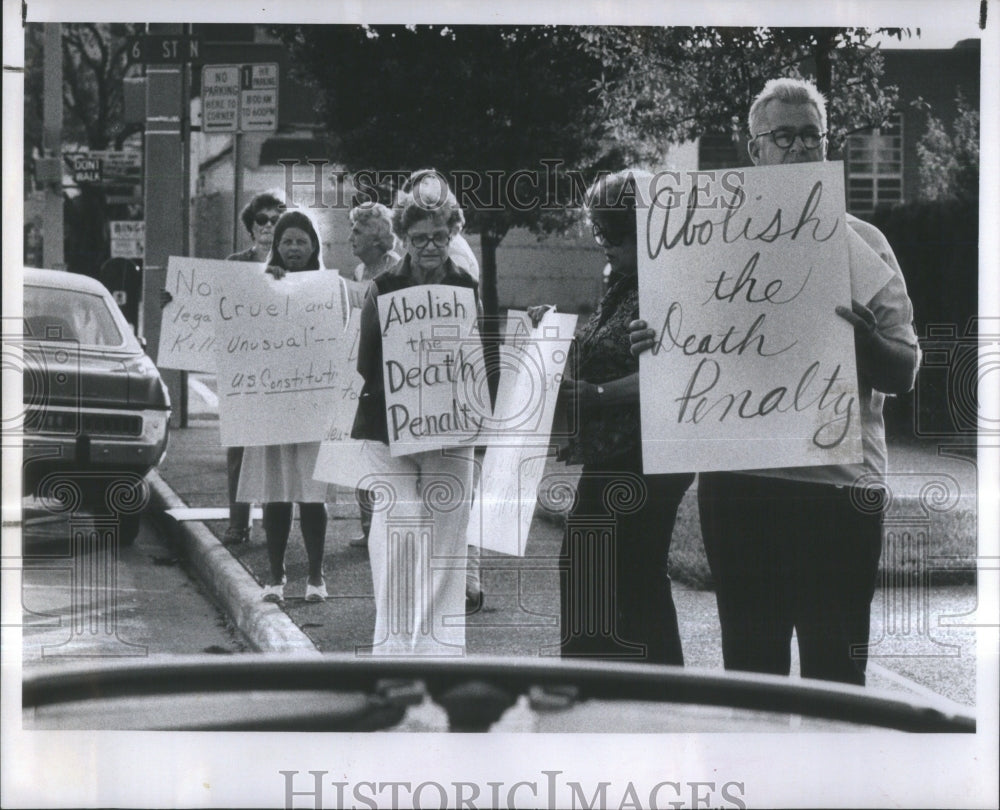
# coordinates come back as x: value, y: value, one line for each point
x: 266, y: 626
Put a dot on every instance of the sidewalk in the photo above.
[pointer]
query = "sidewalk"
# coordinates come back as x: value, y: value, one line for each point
x: 520, y: 615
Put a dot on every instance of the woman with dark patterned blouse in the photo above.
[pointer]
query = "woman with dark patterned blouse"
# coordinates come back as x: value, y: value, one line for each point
x: 615, y: 594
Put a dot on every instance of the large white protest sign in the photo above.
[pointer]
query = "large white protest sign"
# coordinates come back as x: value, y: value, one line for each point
x: 341, y: 459
x: 187, y: 336
x: 280, y: 371
x: 433, y: 367
x: 532, y: 361
x: 739, y: 275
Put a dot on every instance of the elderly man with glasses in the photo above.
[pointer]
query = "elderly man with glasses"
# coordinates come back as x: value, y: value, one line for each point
x: 798, y: 549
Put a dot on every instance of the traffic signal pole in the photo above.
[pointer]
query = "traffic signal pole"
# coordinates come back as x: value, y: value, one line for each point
x: 52, y: 225
x: 165, y: 202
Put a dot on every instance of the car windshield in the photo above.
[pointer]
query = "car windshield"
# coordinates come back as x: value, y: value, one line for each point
x: 55, y: 314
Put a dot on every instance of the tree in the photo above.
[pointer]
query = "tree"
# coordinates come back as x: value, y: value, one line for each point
x: 479, y: 103
x: 94, y: 66
x: 488, y: 102
x: 949, y: 161
x: 675, y: 84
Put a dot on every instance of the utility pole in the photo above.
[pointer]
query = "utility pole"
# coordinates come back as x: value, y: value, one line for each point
x: 52, y: 111
x: 165, y: 201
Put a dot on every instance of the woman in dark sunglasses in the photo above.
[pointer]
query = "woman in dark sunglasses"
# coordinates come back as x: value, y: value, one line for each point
x: 259, y: 217
x: 615, y: 599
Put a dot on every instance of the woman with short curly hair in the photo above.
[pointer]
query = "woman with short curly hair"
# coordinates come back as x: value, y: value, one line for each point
x: 418, y: 602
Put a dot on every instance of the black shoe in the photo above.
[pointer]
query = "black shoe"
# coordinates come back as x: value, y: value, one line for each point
x: 236, y: 537
x: 473, y: 601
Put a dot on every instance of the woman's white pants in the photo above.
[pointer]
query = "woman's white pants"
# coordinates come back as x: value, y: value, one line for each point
x: 417, y: 550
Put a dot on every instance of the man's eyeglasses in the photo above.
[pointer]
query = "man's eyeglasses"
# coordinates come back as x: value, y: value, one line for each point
x: 605, y: 239
x: 263, y: 219
x: 421, y: 240
x: 784, y: 138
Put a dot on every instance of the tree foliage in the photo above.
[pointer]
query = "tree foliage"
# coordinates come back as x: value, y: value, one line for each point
x: 493, y: 100
x: 949, y: 160
x: 675, y: 84
x: 94, y: 65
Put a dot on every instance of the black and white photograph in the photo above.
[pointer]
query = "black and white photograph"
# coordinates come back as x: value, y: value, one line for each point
x: 467, y: 406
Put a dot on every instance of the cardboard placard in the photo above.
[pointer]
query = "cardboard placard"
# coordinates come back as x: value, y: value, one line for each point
x: 341, y: 459
x: 281, y: 373
x: 187, y: 334
x: 433, y: 367
x: 739, y: 275
x: 532, y: 361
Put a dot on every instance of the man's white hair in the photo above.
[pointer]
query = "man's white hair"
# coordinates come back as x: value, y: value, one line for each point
x: 789, y: 91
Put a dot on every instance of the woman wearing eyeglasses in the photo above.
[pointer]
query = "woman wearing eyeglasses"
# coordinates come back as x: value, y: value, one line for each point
x: 259, y: 217
x: 419, y: 586
x: 615, y: 598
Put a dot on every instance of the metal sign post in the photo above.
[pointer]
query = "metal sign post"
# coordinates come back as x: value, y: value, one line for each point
x: 238, y: 99
x: 165, y: 197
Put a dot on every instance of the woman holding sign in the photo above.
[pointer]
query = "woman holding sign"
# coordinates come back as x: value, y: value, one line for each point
x: 418, y: 570
x: 615, y: 600
x: 279, y: 474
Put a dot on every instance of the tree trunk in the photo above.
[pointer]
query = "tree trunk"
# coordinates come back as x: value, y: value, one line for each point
x: 825, y: 42
x: 489, y: 243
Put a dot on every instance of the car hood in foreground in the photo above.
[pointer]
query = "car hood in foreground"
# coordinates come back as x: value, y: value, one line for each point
x: 269, y: 692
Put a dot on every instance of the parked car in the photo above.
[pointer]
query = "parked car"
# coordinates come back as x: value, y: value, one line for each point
x: 96, y: 412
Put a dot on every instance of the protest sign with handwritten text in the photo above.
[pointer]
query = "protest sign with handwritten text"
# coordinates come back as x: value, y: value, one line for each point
x: 532, y: 361
x: 280, y: 371
x: 433, y: 367
x: 187, y: 336
x: 341, y: 459
x: 752, y: 367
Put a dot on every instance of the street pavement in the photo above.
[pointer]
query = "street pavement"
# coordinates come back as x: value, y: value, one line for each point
x: 520, y: 614
x: 78, y: 600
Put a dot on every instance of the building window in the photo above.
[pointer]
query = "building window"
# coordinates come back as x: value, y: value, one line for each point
x: 875, y: 167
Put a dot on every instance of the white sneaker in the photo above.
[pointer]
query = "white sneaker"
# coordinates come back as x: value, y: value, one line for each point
x: 316, y: 593
x: 275, y: 593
